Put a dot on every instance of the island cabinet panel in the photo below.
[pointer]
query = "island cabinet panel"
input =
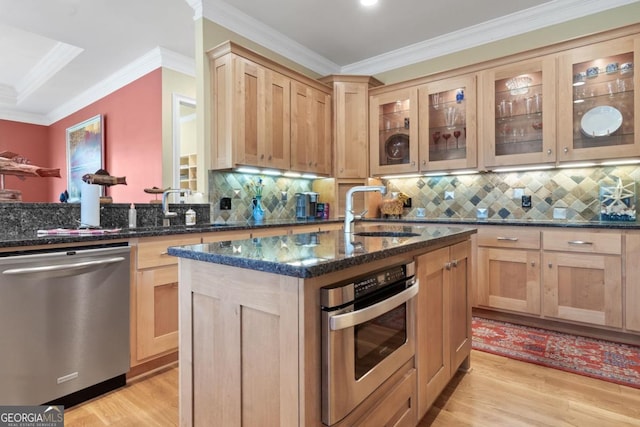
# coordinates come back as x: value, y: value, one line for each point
x: 245, y: 325
x: 443, y: 319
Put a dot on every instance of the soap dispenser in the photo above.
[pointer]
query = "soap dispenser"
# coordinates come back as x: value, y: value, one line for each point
x: 190, y: 217
x: 132, y: 216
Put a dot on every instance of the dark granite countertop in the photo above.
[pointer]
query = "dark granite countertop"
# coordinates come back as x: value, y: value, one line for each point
x: 612, y: 225
x: 316, y: 254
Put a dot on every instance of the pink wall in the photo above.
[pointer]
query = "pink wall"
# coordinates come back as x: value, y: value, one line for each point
x: 133, y: 139
x: 32, y: 142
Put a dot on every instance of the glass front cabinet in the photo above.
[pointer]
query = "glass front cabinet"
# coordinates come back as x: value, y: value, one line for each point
x: 447, y: 116
x: 518, y: 114
x: 597, y: 101
x: 393, y: 131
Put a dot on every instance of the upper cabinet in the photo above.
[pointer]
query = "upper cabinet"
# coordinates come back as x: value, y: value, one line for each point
x: 266, y: 115
x: 597, y: 101
x: 351, y: 124
x: 447, y: 116
x: 518, y: 114
x: 310, y: 130
x: 393, y: 131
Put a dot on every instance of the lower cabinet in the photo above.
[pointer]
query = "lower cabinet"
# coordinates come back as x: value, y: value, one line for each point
x: 632, y: 282
x: 443, y: 323
x: 583, y: 277
x: 509, y: 269
x: 154, y: 326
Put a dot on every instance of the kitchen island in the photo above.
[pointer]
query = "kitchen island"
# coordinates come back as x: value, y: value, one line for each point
x: 250, y: 324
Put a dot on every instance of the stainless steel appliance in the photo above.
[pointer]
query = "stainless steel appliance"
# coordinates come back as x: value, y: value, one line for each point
x: 64, y: 324
x: 368, y: 333
x: 306, y: 204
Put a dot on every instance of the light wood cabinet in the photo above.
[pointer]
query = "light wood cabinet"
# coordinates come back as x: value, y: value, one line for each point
x: 252, y: 114
x: 447, y: 124
x: 509, y: 269
x: 155, y: 323
x: 310, y: 129
x: 443, y: 323
x: 351, y: 124
x: 597, y: 101
x: 393, y: 131
x: 632, y: 282
x: 582, y: 274
x: 518, y: 113
x: 267, y: 115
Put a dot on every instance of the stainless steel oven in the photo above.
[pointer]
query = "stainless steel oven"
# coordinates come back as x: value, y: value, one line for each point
x: 368, y: 333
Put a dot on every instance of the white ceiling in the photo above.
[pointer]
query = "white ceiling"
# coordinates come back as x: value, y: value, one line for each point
x: 57, y: 56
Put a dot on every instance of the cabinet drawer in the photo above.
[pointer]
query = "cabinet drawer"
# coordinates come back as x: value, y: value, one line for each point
x: 583, y: 241
x: 509, y: 237
x: 152, y: 252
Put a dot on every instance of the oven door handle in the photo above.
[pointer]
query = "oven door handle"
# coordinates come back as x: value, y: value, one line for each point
x: 353, y: 318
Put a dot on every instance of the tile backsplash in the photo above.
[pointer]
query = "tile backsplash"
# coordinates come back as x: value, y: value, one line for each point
x: 573, y: 193
x: 278, y: 196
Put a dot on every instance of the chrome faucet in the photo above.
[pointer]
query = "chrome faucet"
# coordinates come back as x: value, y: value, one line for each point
x: 349, y: 216
x: 165, y: 205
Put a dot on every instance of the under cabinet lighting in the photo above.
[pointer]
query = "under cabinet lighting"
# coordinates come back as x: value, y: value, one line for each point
x: 368, y: 2
x: 621, y: 162
x: 578, y: 165
x: 292, y: 174
x: 309, y: 176
x: 465, y: 172
x: 522, y: 168
x: 271, y: 172
x: 248, y: 170
x: 413, y: 175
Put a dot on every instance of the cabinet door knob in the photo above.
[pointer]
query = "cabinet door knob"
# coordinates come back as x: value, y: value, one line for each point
x: 270, y: 157
x: 549, y: 152
x: 454, y: 263
x: 566, y: 150
x: 424, y: 163
x: 413, y: 163
x: 533, y: 263
x: 447, y: 266
x: 550, y: 265
x: 261, y: 156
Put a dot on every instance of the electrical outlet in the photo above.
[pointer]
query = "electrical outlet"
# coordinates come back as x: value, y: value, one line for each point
x: 526, y: 201
x: 225, y: 204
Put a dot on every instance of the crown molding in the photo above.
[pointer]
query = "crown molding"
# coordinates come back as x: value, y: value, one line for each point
x: 196, y: 5
x: 152, y: 60
x: 246, y: 26
x: 24, y: 117
x: 57, y: 58
x: 532, y: 19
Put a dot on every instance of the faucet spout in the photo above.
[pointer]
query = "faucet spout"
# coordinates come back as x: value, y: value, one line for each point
x: 165, y: 205
x: 349, y: 215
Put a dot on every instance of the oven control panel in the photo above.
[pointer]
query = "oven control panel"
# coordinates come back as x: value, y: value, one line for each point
x: 369, y: 284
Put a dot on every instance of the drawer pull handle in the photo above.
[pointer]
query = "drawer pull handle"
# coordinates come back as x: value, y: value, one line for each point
x: 533, y: 263
x: 509, y: 239
x: 579, y: 242
x: 550, y: 265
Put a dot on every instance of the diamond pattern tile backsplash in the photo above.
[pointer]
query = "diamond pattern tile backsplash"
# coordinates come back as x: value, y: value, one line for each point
x: 573, y: 191
x: 278, y: 195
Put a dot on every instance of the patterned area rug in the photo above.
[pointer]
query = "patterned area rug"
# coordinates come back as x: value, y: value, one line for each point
x: 608, y: 361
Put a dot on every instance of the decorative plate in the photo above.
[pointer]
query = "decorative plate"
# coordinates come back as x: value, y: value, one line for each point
x: 601, y: 121
x: 397, y: 146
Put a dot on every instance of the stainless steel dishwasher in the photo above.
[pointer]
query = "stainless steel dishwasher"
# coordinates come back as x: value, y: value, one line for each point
x: 64, y: 324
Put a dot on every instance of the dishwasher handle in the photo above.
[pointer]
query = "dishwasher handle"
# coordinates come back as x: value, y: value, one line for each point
x: 63, y: 267
x: 347, y: 320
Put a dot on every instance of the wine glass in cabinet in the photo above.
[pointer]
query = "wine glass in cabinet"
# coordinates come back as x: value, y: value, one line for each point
x: 517, y: 113
x: 597, y: 101
x: 393, y: 131
x: 447, y: 115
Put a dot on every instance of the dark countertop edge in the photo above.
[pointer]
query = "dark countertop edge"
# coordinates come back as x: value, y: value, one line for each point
x: 127, y: 233
x: 249, y: 225
x: 190, y: 252
x: 612, y: 225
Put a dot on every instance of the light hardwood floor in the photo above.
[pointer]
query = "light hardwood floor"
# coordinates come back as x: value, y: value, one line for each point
x: 497, y: 392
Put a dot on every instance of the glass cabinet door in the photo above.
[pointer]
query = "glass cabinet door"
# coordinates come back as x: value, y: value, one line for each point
x: 393, y: 132
x: 448, y: 124
x: 597, y: 102
x: 518, y: 114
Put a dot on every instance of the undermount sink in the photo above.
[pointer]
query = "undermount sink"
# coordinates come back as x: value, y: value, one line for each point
x: 386, y: 234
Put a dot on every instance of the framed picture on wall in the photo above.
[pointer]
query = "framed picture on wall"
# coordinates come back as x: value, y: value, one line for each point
x: 85, y: 153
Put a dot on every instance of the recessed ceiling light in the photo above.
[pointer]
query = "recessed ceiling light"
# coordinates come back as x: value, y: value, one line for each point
x: 368, y: 2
